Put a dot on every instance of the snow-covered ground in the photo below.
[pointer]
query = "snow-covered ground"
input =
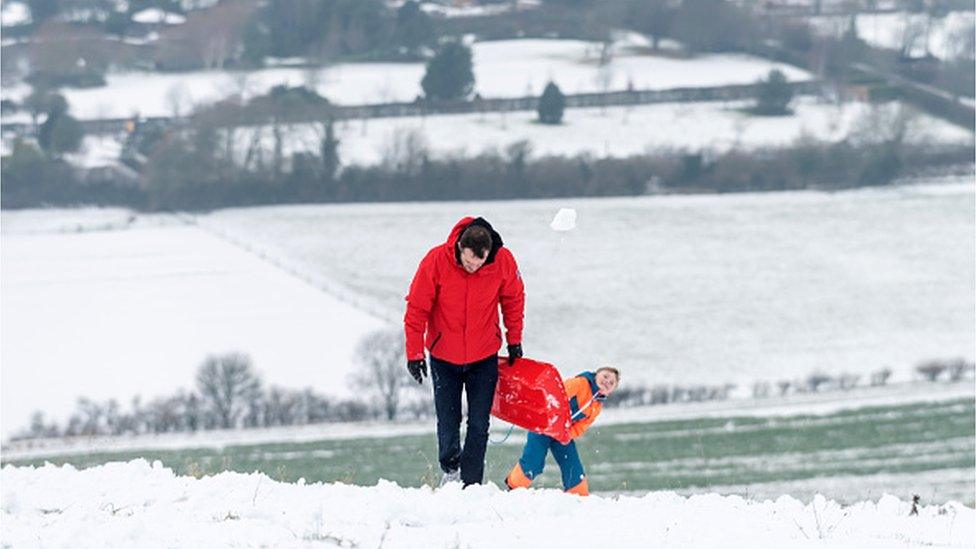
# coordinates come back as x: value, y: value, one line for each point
x: 610, y: 132
x: 101, y: 303
x: 685, y: 289
x: 105, y: 304
x: 509, y: 68
x: 945, y: 37
x: 147, y: 505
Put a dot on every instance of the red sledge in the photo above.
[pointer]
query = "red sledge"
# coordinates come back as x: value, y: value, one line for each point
x: 531, y: 394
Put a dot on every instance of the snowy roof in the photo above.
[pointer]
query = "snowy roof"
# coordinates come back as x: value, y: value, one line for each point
x: 190, y: 5
x: 15, y: 13
x: 156, y: 16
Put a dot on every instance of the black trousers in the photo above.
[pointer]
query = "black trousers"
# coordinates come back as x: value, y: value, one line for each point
x: 478, y: 380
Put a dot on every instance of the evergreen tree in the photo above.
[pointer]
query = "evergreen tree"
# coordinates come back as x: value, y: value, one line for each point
x: 773, y: 95
x: 551, y: 104
x: 60, y: 133
x: 63, y: 135
x: 449, y: 74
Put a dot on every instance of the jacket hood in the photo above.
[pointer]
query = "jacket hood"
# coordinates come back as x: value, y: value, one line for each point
x: 594, y: 388
x: 464, y: 223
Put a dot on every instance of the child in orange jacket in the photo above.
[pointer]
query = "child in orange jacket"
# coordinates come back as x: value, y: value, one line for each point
x: 586, y: 393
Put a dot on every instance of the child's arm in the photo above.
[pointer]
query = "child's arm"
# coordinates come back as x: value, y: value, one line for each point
x: 580, y: 388
x: 577, y: 429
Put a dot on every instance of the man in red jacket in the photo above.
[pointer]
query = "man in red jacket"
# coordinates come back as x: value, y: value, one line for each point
x: 452, y: 311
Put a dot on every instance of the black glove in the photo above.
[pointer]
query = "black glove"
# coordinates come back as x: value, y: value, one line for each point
x: 514, y: 352
x: 418, y: 369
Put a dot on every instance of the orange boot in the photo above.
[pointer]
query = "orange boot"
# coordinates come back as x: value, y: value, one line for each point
x: 517, y: 479
x: 581, y: 489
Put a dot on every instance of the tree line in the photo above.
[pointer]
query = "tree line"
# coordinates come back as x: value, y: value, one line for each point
x: 230, y: 394
x: 217, y: 160
x: 195, y: 169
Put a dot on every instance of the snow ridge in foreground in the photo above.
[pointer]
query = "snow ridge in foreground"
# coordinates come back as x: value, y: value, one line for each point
x: 147, y: 505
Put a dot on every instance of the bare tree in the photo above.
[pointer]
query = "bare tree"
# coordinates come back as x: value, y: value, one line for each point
x: 960, y: 43
x: 760, y: 389
x: 880, y: 377
x: 228, y: 385
x: 165, y: 414
x: 177, y: 100
x: 405, y: 150
x: 380, y: 354
x: 958, y: 368
x: 39, y: 428
x: 605, y: 73
x: 914, y: 35
x: 91, y: 415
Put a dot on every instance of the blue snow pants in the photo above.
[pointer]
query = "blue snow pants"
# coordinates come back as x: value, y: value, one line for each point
x: 533, y: 459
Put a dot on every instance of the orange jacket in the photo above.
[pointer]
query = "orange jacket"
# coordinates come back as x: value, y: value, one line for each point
x: 585, y: 402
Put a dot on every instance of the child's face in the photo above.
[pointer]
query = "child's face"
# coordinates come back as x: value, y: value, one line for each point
x: 606, y: 381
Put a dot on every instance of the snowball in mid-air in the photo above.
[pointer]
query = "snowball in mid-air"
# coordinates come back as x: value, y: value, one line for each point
x: 565, y: 220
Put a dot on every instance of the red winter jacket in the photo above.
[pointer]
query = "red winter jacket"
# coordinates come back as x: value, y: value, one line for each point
x: 458, y: 311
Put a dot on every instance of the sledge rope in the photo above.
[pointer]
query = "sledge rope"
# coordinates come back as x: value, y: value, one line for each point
x: 585, y: 406
x: 510, y: 429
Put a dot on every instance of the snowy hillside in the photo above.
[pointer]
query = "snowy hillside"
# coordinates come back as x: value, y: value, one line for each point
x: 509, y: 68
x: 107, y: 304
x: 732, y: 289
x: 138, y: 504
x: 696, y: 289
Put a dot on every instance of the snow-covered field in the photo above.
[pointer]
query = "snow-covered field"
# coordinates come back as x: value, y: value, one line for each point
x: 610, y: 132
x: 945, y: 37
x: 689, y: 289
x: 147, y: 505
x: 99, y: 305
x: 685, y: 289
x: 509, y: 68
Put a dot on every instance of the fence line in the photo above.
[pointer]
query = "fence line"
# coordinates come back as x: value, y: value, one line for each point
x: 429, y: 108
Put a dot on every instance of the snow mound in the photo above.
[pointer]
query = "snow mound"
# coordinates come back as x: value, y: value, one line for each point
x: 147, y: 505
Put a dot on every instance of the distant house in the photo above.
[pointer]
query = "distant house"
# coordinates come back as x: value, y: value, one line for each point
x: 98, y: 163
